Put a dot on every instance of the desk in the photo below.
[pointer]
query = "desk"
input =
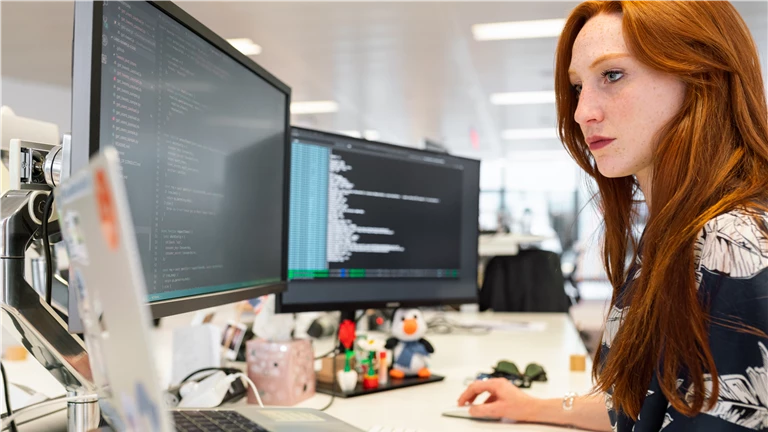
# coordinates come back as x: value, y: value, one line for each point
x: 457, y: 356
x: 461, y: 356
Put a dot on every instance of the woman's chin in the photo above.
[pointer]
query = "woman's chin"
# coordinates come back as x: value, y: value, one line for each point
x: 612, y: 171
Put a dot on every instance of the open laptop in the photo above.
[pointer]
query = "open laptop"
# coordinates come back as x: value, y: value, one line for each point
x: 96, y: 224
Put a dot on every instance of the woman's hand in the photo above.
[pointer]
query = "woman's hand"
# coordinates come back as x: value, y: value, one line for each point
x: 505, y: 401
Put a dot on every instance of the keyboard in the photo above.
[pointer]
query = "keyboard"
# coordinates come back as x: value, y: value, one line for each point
x: 213, y: 421
x: 379, y: 428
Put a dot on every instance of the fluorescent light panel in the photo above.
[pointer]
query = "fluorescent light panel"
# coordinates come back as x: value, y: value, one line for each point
x: 529, y: 134
x: 314, y: 107
x: 523, y: 98
x: 518, y: 30
x: 245, y: 46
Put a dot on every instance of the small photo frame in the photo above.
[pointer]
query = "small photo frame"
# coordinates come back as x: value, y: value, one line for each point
x: 232, y: 339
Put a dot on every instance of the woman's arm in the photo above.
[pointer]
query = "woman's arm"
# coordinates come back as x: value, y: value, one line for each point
x: 510, y: 402
x: 588, y: 412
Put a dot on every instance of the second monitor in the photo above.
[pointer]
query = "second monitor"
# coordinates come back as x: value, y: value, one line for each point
x: 374, y: 225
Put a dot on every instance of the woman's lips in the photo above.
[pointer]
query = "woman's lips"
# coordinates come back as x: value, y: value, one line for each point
x: 600, y: 143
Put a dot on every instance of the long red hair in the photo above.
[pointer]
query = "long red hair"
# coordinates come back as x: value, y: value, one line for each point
x: 711, y: 158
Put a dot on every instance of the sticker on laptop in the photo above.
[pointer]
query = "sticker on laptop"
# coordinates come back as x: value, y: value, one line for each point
x: 79, y: 284
x: 107, y: 212
x: 78, y: 186
x: 141, y: 413
x: 73, y: 237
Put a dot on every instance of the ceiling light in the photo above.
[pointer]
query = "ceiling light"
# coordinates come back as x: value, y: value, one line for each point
x: 529, y: 134
x: 314, y: 107
x: 518, y: 29
x: 523, y: 98
x: 245, y: 46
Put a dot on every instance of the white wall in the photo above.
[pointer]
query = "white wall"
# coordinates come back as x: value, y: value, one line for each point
x: 38, y: 101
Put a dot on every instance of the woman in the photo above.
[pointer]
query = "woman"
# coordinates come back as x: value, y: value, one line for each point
x: 667, y: 98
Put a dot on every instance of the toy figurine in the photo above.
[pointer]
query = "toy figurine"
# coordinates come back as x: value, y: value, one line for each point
x: 347, y: 377
x: 371, y: 346
x: 411, y: 350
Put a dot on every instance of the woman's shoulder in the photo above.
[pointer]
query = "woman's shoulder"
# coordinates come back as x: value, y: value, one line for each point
x: 734, y: 244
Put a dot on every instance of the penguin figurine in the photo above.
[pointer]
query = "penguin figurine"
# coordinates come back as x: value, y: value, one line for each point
x: 410, y: 348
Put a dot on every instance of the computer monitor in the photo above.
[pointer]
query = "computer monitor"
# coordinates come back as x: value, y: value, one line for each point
x: 203, y: 134
x: 374, y: 225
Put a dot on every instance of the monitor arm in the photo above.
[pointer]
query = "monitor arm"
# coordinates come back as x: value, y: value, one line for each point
x: 25, y: 315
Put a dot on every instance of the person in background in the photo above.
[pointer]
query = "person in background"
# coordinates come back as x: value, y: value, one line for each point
x: 667, y: 98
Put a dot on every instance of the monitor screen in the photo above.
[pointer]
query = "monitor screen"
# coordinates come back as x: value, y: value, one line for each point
x: 202, y: 133
x: 373, y: 224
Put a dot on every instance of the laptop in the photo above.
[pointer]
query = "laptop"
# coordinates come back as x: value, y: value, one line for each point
x: 105, y: 268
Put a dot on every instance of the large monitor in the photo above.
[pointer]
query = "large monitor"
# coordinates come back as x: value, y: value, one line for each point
x: 203, y: 136
x: 374, y: 225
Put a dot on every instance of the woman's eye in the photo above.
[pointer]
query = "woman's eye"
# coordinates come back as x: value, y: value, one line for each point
x: 577, y: 89
x: 613, y: 76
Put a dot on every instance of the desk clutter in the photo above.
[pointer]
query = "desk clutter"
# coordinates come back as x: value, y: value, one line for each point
x: 283, y: 368
x: 368, y: 364
x: 284, y: 372
x: 508, y: 370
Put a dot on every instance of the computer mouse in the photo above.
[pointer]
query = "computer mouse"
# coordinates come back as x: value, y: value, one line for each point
x: 463, y: 412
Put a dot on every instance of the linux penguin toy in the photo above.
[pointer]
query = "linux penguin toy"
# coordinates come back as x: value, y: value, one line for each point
x: 410, y: 349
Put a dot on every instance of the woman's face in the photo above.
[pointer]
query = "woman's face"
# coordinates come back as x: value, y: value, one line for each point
x: 622, y: 103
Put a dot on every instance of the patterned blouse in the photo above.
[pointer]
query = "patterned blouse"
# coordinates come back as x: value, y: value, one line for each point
x: 731, y: 256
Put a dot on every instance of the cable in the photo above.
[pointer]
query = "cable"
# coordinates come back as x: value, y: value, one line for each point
x: 47, y: 249
x: 333, y: 386
x: 252, y: 385
x: 335, y: 353
x: 7, y: 399
x: 11, y: 418
x: 206, y: 369
x: 335, y: 349
x: 322, y: 356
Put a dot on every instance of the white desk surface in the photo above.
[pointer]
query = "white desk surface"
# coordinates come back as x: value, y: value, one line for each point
x: 457, y: 356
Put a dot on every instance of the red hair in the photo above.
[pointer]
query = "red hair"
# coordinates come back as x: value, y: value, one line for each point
x: 711, y: 158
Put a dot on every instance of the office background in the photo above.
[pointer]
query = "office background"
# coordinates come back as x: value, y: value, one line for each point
x: 396, y: 72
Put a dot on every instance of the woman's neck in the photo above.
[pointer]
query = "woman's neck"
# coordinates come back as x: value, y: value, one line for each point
x: 645, y: 180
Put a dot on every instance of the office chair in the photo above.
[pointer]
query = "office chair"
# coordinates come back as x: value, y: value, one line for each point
x: 531, y: 281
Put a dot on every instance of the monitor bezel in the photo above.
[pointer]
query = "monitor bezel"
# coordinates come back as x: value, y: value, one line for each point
x: 86, y: 103
x: 282, y: 307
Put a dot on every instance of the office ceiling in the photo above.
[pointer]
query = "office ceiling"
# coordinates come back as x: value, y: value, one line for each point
x: 409, y: 70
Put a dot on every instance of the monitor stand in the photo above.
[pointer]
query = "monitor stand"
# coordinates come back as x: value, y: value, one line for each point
x: 392, y: 384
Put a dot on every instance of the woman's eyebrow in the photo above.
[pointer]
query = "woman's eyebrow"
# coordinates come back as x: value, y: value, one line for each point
x: 602, y: 58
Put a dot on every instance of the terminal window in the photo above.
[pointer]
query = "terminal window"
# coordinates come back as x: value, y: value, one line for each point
x: 361, y: 212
